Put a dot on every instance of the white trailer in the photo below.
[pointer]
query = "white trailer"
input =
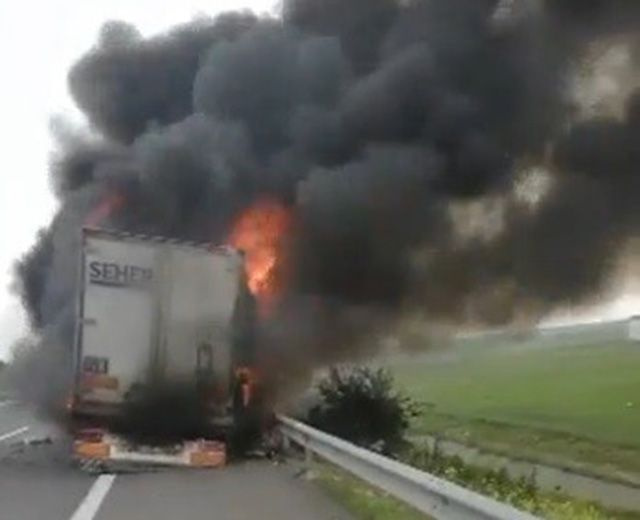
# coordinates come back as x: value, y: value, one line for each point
x: 152, y: 309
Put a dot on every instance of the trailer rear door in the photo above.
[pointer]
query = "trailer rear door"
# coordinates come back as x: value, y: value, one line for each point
x: 202, y: 290
x: 117, y: 313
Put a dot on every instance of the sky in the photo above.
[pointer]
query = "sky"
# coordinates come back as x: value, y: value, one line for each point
x: 39, y: 41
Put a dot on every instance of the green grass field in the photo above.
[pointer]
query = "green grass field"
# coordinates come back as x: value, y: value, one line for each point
x: 573, y: 404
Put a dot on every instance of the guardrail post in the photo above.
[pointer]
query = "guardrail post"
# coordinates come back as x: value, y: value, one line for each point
x: 286, y: 445
x: 308, y: 457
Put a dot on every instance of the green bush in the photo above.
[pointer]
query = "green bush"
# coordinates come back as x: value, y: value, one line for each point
x: 361, y: 405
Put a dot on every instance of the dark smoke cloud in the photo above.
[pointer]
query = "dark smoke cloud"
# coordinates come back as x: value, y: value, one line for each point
x: 359, y: 223
x: 126, y: 84
x: 361, y: 27
x: 369, y: 119
x: 596, y: 15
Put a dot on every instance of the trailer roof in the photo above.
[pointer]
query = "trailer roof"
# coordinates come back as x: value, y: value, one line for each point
x: 138, y: 237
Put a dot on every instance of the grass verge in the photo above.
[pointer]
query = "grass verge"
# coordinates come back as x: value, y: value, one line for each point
x: 362, y: 501
x: 521, y: 493
x: 575, y: 405
x: 618, y: 463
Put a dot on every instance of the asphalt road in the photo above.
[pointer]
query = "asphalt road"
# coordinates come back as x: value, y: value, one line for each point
x: 37, y: 481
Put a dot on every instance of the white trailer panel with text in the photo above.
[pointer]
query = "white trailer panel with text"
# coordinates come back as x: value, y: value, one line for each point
x: 152, y: 309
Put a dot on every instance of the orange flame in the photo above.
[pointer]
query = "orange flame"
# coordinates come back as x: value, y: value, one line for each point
x: 259, y: 232
x: 110, y: 203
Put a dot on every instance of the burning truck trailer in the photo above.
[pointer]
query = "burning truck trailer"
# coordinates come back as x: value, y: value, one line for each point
x: 437, y: 157
x: 163, y: 352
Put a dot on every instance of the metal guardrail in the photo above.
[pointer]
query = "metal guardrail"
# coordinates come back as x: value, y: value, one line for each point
x: 431, y: 495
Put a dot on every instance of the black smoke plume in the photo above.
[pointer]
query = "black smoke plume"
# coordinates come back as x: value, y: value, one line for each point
x: 369, y: 119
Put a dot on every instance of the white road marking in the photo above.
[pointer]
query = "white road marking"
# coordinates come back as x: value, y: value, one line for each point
x: 88, y: 508
x: 14, y: 433
x: 6, y: 403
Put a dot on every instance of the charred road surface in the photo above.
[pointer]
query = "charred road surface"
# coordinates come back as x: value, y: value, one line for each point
x: 37, y: 481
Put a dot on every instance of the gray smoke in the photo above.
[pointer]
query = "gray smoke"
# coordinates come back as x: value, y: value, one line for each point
x: 369, y: 119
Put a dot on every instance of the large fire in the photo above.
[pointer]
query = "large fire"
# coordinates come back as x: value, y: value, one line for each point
x: 260, y: 231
